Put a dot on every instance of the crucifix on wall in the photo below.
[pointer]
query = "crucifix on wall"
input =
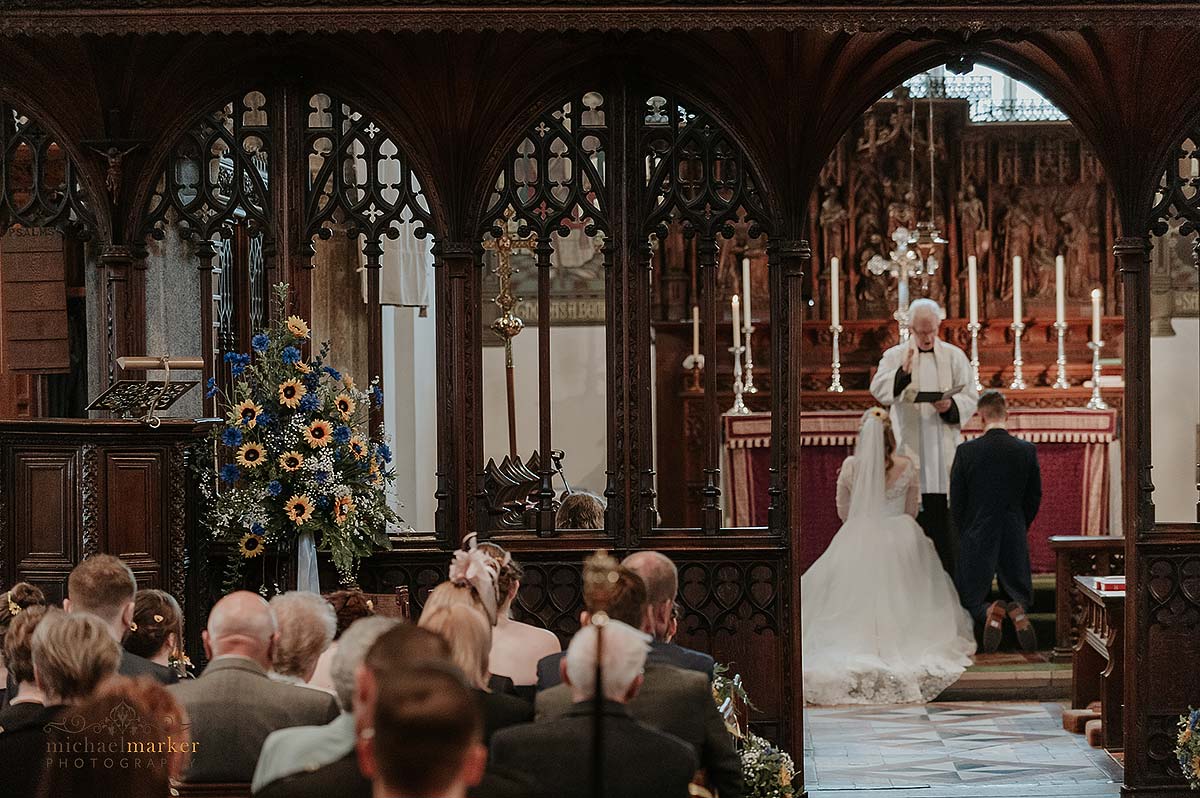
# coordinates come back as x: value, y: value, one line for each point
x: 508, y: 325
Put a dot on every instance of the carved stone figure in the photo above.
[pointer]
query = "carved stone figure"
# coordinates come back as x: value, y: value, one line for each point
x: 1018, y: 237
x: 972, y: 221
x: 833, y: 223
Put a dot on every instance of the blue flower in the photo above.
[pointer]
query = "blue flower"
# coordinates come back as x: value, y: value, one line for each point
x: 230, y: 473
x: 232, y: 436
x: 257, y: 529
x: 265, y: 419
x: 237, y: 362
x: 309, y: 402
x: 211, y: 388
x: 377, y: 395
x: 311, y: 381
x: 290, y: 355
x: 323, y: 502
x: 260, y: 342
x: 321, y: 476
x: 333, y: 373
x: 341, y: 434
x: 385, y: 453
x: 274, y: 488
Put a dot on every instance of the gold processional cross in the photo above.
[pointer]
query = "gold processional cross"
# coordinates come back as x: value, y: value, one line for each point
x: 508, y: 325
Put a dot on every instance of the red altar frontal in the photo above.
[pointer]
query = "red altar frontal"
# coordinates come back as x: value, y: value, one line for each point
x: 1076, y: 451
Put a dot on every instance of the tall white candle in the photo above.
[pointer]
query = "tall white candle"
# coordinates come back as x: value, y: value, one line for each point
x: 1096, y: 315
x: 696, y: 330
x: 1060, y: 291
x: 737, y: 323
x: 835, y: 291
x: 746, y: 292
x: 973, y: 287
x: 1016, y: 282
x: 902, y: 289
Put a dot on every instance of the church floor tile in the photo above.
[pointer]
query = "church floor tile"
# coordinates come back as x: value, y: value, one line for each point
x: 946, y: 750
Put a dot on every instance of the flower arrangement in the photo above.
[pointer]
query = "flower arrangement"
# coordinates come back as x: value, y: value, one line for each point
x: 766, y: 770
x: 1187, y: 748
x: 298, y: 457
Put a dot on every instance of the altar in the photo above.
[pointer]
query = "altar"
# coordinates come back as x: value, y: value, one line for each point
x: 1078, y: 451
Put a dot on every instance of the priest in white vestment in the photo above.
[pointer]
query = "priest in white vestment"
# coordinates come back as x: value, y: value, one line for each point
x: 928, y: 431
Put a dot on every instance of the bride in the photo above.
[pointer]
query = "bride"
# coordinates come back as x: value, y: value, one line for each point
x: 881, y: 619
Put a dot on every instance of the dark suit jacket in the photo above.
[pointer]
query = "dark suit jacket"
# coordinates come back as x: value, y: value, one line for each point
x: 660, y: 654
x: 232, y: 708
x: 132, y: 665
x: 639, y: 762
x: 501, y: 711
x: 995, y: 485
x: 680, y: 703
x: 23, y: 751
x: 342, y: 779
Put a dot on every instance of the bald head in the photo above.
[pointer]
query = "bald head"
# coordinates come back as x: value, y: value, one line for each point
x: 662, y: 584
x: 241, y: 624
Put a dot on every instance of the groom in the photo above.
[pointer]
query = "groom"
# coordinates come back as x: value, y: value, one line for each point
x: 928, y: 431
x: 995, y: 492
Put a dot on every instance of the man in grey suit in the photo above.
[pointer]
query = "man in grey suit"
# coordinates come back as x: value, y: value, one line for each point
x: 675, y: 700
x: 233, y: 706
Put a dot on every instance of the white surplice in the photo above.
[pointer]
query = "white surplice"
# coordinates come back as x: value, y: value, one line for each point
x: 920, y: 430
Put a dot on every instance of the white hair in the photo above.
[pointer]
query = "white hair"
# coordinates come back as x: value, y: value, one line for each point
x: 352, y: 648
x: 307, y: 624
x: 924, y: 305
x: 624, y: 657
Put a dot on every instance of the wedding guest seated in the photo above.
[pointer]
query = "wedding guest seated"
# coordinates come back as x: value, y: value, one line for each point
x: 72, y: 655
x: 516, y: 646
x: 470, y: 638
x: 307, y: 625
x: 662, y: 585
x: 233, y: 706
x: 427, y: 737
x: 348, y: 607
x: 471, y: 581
x: 20, y: 596
x: 674, y: 700
x: 392, y: 654
x: 156, y: 634
x: 292, y: 760
x: 145, y: 773
x: 638, y: 761
x: 27, y: 700
x: 581, y: 510
x: 104, y: 586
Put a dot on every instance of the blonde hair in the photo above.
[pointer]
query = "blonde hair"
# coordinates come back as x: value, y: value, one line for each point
x: 307, y: 624
x: 73, y: 654
x: 448, y: 594
x: 469, y: 634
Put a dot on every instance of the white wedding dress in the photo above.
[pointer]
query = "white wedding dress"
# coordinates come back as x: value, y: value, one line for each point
x: 882, y: 623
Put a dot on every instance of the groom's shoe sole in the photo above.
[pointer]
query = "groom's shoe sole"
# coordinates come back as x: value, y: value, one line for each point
x: 1026, y: 636
x: 993, y: 627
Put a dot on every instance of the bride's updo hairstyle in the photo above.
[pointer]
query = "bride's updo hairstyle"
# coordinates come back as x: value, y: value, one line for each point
x: 472, y: 581
x: 889, y: 438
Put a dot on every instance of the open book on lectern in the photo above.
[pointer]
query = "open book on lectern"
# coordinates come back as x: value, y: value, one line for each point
x: 936, y: 396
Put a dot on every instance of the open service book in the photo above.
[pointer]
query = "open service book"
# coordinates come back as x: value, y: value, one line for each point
x: 935, y: 396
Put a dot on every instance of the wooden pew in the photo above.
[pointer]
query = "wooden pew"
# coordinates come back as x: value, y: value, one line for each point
x: 1079, y: 555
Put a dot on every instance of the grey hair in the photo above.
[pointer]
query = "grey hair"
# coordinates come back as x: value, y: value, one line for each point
x: 307, y: 624
x: 352, y: 648
x: 925, y: 305
x: 625, y: 651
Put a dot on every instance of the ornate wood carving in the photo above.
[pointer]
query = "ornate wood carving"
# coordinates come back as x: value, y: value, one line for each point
x: 176, y: 527
x: 89, y: 500
x: 40, y: 185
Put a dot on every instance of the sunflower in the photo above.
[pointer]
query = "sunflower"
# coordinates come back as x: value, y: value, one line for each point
x: 299, y: 509
x: 297, y: 326
x: 248, y: 412
x: 251, y: 455
x: 348, y: 381
x: 358, y: 448
x: 342, y: 509
x: 345, y: 405
x: 318, y: 433
x: 303, y: 367
x: 291, y: 461
x: 290, y: 393
x: 251, y: 545
x: 374, y: 473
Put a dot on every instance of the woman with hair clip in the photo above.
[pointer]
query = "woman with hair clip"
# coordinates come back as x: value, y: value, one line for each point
x: 881, y: 619
x: 516, y: 646
x: 157, y: 634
